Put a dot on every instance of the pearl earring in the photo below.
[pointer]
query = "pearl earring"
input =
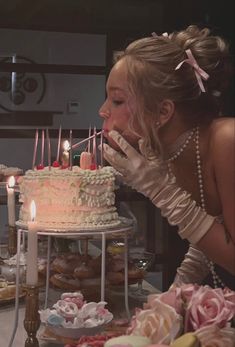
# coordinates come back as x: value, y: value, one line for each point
x: 158, y: 124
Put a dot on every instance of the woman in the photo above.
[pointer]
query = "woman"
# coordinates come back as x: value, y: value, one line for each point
x: 166, y: 139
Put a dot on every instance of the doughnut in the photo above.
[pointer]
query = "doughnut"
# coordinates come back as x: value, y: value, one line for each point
x: 95, y: 264
x: 83, y: 271
x: 65, y: 282
x: 66, y: 264
x: 115, y: 277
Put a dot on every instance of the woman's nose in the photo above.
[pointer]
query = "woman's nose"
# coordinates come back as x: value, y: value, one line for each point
x: 104, y: 112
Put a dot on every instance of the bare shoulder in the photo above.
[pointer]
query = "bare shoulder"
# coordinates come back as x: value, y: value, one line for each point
x: 222, y: 136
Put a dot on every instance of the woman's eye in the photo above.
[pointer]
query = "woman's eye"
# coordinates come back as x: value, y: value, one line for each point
x: 117, y: 102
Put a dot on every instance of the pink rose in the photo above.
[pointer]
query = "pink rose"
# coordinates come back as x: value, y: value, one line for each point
x: 213, y: 336
x: 206, y: 307
x: 172, y: 298
x: 161, y: 324
x: 229, y: 294
x: 187, y: 290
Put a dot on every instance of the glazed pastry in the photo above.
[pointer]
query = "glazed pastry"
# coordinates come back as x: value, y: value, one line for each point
x: 95, y: 264
x: 66, y: 264
x: 134, y: 272
x: 83, y: 271
x: 66, y: 282
x: 115, y: 277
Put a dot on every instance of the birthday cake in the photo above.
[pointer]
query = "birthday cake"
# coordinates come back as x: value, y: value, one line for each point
x: 69, y: 198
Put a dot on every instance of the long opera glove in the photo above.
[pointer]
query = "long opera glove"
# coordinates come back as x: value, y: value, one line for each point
x: 151, y: 178
x: 193, y: 268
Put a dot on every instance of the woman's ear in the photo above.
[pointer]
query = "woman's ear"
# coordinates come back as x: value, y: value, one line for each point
x: 166, y: 111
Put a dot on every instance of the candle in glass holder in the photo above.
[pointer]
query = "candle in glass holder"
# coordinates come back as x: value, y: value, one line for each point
x: 32, y: 254
x: 65, y: 154
x: 11, y: 201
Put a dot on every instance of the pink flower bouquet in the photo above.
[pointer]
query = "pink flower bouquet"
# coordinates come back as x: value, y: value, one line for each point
x: 201, y: 311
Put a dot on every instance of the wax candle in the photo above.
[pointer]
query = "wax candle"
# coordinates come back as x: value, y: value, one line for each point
x: 35, y: 149
x: 58, y: 146
x: 42, y: 150
x: 70, y: 150
x: 32, y: 254
x: 89, y: 141
x: 48, y: 149
x: 95, y: 147
x: 65, y: 154
x: 11, y: 201
x: 102, y: 149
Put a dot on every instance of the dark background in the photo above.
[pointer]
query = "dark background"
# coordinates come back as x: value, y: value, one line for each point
x: 122, y: 20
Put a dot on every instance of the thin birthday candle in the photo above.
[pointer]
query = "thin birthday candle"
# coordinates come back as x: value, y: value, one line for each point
x: 94, y: 146
x: 48, y: 149
x: 85, y: 140
x: 43, y: 144
x: 70, y: 150
x: 35, y: 149
x: 102, y: 149
x: 89, y: 141
x: 58, y: 146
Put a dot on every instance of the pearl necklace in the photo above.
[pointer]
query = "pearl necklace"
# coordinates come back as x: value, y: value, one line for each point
x: 216, y: 279
x: 180, y: 144
x: 178, y: 148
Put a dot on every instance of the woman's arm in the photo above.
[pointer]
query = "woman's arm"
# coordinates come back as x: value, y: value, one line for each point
x: 151, y: 178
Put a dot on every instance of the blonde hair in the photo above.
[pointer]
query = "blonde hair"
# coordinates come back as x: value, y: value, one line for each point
x: 152, y: 77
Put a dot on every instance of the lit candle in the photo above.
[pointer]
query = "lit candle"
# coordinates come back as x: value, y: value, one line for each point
x: 58, y: 146
x: 65, y: 154
x: 11, y: 201
x: 70, y: 150
x: 32, y: 254
x: 35, y: 149
x: 48, y: 149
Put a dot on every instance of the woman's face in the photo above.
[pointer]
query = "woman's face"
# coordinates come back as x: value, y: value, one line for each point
x: 119, y: 105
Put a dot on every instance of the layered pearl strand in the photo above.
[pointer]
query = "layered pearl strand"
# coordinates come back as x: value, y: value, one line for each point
x: 217, y: 282
x: 182, y: 143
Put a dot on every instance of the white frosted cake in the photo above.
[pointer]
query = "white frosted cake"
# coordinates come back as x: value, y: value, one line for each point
x: 67, y: 199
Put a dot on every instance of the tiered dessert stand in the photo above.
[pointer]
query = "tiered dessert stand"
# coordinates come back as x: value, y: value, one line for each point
x: 121, y: 231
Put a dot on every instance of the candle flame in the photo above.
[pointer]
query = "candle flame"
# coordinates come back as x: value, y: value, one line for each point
x: 11, y: 182
x: 66, y: 145
x: 32, y: 210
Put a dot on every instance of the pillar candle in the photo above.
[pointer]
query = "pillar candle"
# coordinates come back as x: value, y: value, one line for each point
x: 65, y: 154
x: 11, y: 201
x: 32, y: 254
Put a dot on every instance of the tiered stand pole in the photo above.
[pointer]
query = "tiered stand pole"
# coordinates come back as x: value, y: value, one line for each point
x: 32, y: 319
x: 12, y: 240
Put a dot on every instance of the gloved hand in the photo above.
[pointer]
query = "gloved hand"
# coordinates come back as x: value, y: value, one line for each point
x: 151, y: 178
x: 135, y: 167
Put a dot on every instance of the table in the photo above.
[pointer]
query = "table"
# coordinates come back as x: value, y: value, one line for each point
x: 121, y: 230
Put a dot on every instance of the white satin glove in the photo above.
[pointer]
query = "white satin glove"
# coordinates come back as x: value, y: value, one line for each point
x: 193, y: 268
x: 151, y: 178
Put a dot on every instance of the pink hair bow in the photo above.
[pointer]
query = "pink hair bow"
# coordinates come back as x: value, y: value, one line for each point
x: 200, y: 74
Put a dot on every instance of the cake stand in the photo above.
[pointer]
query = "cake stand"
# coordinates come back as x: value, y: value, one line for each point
x: 122, y: 230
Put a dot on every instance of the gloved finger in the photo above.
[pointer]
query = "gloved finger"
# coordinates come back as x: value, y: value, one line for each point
x: 142, y: 148
x: 117, y: 160
x: 123, y: 144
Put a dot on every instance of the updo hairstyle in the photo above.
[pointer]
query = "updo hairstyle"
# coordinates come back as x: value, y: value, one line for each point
x: 152, y: 77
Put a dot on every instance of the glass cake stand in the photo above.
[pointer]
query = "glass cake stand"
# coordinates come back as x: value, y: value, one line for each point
x: 122, y: 230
